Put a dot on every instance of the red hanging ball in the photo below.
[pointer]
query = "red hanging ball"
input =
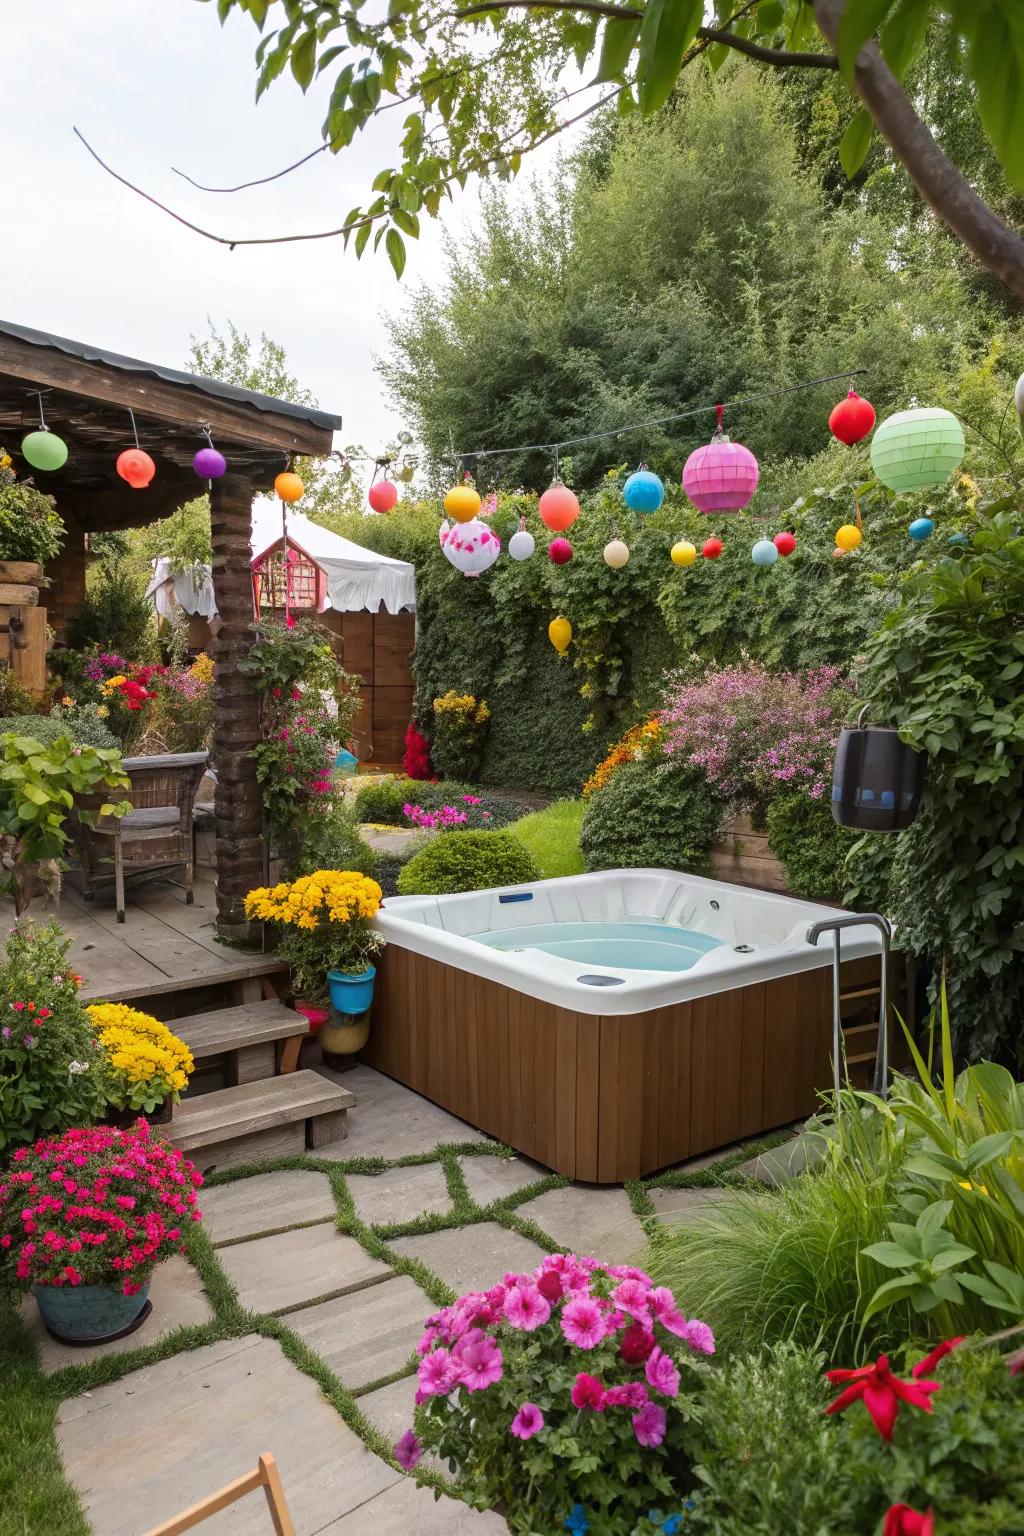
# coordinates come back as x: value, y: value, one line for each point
x: 382, y: 496
x: 712, y: 548
x: 560, y: 551
x: 852, y: 419
x: 136, y: 467
x: 784, y: 542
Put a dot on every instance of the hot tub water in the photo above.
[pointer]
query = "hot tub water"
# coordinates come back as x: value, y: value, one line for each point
x: 637, y: 946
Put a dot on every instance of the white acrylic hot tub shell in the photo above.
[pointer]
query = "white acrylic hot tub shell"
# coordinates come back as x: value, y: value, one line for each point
x: 776, y: 927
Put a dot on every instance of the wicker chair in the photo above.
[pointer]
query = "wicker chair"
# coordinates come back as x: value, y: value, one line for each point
x: 156, y: 834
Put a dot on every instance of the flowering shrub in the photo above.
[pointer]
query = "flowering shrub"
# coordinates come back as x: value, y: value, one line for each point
x: 51, y: 1066
x: 640, y: 741
x: 754, y: 733
x: 181, y: 719
x: 564, y: 1393
x: 326, y: 922
x: 146, y: 1063
x: 416, y: 757
x: 441, y: 820
x: 460, y: 723
x: 95, y: 1206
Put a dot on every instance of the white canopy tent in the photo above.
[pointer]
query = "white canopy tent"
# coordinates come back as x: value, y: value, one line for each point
x: 356, y: 578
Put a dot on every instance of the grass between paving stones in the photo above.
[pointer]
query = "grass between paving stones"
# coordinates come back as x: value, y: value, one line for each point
x: 34, y: 1494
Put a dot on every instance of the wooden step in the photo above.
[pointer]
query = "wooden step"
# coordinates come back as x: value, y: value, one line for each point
x: 274, y: 1117
x: 861, y: 1034
x: 248, y: 1034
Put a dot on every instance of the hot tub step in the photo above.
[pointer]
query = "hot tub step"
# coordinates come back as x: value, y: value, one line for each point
x: 274, y: 1116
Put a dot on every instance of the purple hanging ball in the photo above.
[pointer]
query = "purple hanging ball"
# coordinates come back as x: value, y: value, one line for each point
x: 209, y: 464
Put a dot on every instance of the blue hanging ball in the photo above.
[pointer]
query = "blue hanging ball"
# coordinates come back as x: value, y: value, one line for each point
x: 959, y: 538
x: 921, y: 528
x: 764, y: 552
x: 643, y: 492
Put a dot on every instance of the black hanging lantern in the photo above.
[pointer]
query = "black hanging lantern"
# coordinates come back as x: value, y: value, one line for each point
x: 877, y: 779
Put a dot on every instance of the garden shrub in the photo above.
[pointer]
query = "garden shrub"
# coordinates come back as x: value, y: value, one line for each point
x: 31, y: 528
x: 459, y: 728
x: 467, y: 861
x: 115, y: 614
x: 803, y: 834
x: 651, y: 816
x: 82, y: 724
x: 328, y: 838
x: 416, y: 762
x: 382, y: 800
x: 552, y: 836
x: 644, y: 739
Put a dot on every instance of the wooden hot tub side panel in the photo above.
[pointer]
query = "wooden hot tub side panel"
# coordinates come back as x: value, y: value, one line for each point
x: 605, y: 1098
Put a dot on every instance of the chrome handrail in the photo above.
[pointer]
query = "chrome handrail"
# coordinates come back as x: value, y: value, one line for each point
x: 834, y: 926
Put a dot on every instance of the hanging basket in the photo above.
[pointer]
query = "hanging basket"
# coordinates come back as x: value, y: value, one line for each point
x: 877, y: 779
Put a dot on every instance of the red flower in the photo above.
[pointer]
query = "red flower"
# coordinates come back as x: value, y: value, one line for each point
x: 637, y: 1343
x: 938, y: 1353
x: 588, y: 1392
x: 901, y: 1520
x: 550, y: 1285
x: 881, y: 1393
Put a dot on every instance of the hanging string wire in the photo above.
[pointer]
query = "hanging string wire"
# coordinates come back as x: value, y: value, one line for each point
x: 662, y: 421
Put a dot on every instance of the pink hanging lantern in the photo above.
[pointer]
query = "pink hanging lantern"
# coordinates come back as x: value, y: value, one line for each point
x: 471, y: 547
x: 721, y: 477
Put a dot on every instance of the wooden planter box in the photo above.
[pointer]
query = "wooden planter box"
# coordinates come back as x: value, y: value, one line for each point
x: 23, y: 623
x: 741, y: 855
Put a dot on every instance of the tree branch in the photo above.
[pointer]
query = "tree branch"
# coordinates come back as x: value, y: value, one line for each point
x: 777, y: 56
x: 939, y: 181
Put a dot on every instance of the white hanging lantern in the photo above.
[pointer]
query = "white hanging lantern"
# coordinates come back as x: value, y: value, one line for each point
x: 521, y: 545
x: 471, y: 547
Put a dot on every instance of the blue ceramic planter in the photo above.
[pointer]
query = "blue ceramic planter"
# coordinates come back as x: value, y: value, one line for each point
x: 88, y: 1314
x: 351, y: 994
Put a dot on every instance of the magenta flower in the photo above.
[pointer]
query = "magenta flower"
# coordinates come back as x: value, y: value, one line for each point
x: 408, y: 1450
x: 525, y: 1307
x: 437, y: 1374
x: 699, y: 1336
x: 662, y: 1373
x: 528, y: 1422
x: 478, y: 1360
x: 426, y: 1340
x: 583, y: 1322
x: 663, y: 1306
x: 588, y: 1392
x: 632, y: 1395
x: 649, y: 1425
x: 631, y: 1296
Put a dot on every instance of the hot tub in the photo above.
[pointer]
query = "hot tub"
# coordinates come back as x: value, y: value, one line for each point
x: 611, y: 1024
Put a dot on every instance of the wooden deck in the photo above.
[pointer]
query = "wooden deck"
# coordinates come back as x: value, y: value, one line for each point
x: 162, y: 948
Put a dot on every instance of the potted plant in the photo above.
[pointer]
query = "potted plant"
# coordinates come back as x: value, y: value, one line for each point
x: 328, y: 941
x: 31, y: 528
x: 86, y: 1244
x: 147, y: 1067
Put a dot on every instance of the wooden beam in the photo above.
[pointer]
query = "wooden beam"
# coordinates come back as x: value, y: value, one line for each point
x: 147, y: 395
x: 118, y: 506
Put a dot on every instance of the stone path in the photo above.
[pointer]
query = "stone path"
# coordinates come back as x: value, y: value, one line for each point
x: 334, y: 1302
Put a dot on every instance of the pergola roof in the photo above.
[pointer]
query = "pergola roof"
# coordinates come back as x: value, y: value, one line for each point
x: 87, y: 394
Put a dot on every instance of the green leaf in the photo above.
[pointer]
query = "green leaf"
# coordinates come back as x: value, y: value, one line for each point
x: 933, y: 1216
x: 902, y: 37
x: 769, y: 17
x: 996, y: 62
x: 666, y: 31
x: 956, y: 1253
x: 887, y: 1294
x: 304, y: 59
x: 408, y: 223
x: 395, y: 247
x: 362, y: 236
x: 860, y: 20
x: 891, y: 1255
x: 855, y: 143
x: 616, y: 48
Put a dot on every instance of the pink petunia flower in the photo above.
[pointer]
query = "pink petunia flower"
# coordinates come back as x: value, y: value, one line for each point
x: 699, y: 1336
x: 437, y: 1373
x: 528, y: 1422
x: 478, y: 1360
x: 524, y: 1307
x: 583, y: 1322
x: 588, y: 1392
x: 631, y: 1296
x: 408, y: 1450
x: 662, y: 1373
x: 663, y: 1305
x: 649, y: 1425
x: 632, y: 1395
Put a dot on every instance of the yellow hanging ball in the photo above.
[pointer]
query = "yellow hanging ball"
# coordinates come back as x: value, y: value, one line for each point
x: 462, y: 503
x: 288, y: 486
x: 848, y: 536
x: 683, y: 553
x: 560, y: 633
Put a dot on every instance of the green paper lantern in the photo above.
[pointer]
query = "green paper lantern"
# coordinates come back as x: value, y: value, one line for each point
x: 913, y: 450
x: 44, y: 450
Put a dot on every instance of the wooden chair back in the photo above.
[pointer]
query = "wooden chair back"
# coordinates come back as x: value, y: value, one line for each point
x: 265, y: 1476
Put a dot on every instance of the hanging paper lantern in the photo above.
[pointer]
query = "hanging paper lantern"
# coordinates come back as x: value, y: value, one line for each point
x: 521, y: 545
x: 209, y: 464
x: 1018, y: 400
x: 136, y: 467
x: 560, y: 633
x: 784, y: 542
x: 712, y: 548
x: 764, y: 552
x: 471, y: 547
x: 848, y: 537
x: 959, y: 538
x: 44, y: 450
x: 643, y: 491
x: 462, y: 503
x: 852, y: 419
x: 921, y: 528
x: 288, y: 486
x: 558, y: 508
x: 683, y: 553
x: 720, y: 477
x: 560, y: 551
x: 616, y: 553
x: 913, y: 450
x: 382, y: 495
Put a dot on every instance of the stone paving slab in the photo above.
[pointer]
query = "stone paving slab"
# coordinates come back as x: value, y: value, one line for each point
x: 675, y: 1207
x: 273, y: 1274
x: 178, y: 1299
x: 472, y: 1258
x: 143, y: 1448
x: 369, y: 1334
x: 492, y: 1178
x: 267, y: 1201
x: 389, y: 1120
x: 401, y: 1194
x: 390, y: 1409
x: 585, y: 1220
x: 406, y: 1509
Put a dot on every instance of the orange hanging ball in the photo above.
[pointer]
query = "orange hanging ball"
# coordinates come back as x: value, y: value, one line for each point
x: 136, y: 467
x: 558, y: 508
x: 288, y: 486
x: 462, y: 503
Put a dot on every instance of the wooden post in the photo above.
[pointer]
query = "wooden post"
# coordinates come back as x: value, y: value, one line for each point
x: 238, y: 802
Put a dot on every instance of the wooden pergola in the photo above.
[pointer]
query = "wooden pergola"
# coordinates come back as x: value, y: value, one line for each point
x: 87, y: 395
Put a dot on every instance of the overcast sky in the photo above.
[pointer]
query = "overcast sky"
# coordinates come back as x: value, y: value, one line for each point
x: 159, y: 83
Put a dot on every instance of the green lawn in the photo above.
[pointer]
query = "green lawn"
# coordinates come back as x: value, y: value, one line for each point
x: 553, y: 837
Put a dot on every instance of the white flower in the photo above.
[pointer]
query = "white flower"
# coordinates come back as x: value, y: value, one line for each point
x: 76, y: 1068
